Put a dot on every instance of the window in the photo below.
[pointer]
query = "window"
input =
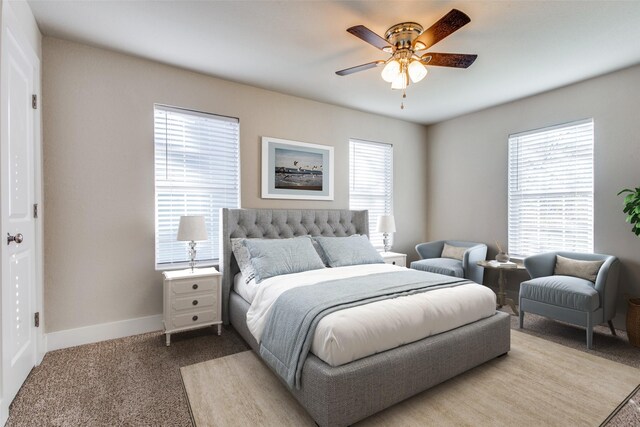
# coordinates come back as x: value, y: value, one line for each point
x: 371, y: 182
x: 551, y: 189
x: 196, y: 173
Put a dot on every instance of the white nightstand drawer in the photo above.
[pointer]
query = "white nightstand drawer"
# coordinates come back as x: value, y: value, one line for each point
x: 394, y: 258
x: 193, y: 285
x: 192, y: 302
x: 194, y: 318
x: 395, y: 261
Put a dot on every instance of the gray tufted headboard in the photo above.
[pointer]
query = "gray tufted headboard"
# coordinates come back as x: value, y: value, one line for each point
x: 279, y: 224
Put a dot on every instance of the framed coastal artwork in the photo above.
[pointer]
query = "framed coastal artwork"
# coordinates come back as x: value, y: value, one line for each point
x: 296, y: 170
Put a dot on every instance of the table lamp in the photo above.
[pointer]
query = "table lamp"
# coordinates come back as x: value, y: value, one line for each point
x: 192, y: 228
x: 386, y: 225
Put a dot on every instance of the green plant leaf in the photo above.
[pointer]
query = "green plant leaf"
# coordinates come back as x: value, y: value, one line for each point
x: 631, y: 207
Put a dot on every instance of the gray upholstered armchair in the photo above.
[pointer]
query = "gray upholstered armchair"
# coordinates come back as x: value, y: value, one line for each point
x: 467, y: 267
x: 568, y: 298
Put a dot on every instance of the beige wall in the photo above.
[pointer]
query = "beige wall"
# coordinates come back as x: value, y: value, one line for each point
x: 467, y: 181
x: 98, y: 171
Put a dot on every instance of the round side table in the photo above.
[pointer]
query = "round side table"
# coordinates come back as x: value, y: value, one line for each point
x: 502, y: 281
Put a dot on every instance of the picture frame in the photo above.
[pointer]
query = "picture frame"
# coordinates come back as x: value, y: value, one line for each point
x: 296, y: 170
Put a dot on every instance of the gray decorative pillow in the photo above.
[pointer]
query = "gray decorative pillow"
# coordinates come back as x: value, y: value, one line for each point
x: 273, y: 257
x: 320, y: 251
x: 243, y: 259
x: 587, y: 270
x: 353, y: 250
x: 455, y: 252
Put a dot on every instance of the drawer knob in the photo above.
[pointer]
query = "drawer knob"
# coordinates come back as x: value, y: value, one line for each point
x: 194, y: 318
x: 394, y: 263
x: 195, y: 286
x: 195, y: 302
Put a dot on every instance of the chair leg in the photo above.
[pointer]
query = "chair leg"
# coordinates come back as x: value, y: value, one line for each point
x: 521, y: 319
x: 613, y: 330
x: 589, y: 332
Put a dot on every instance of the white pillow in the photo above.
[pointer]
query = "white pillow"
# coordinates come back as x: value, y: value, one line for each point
x: 246, y: 290
x: 243, y: 258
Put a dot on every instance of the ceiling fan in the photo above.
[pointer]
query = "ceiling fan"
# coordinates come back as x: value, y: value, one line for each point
x: 405, y: 42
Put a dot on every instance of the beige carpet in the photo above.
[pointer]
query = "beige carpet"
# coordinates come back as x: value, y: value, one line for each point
x: 538, y: 383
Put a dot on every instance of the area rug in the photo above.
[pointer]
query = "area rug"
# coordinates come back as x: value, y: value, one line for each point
x: 627, y: 413
x: 538, y: 383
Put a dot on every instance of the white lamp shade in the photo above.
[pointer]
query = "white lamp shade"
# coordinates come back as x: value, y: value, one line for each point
x: 192, y: 227
x: 386, y: 224
x: 391, y: 71
x: 400, y: 82
x: 417, y: 71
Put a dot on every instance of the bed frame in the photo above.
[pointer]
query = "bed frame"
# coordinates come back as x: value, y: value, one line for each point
x: 345, y: 394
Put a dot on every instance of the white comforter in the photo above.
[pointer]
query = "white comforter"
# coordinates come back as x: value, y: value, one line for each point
x: 356, y: 332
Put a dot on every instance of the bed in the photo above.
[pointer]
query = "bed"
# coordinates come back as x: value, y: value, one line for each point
x: 344, y: 394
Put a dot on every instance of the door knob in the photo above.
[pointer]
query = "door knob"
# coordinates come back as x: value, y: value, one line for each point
x: 18, y: 238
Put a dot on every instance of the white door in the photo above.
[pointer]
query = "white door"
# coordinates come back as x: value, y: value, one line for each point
x: 17, y: 181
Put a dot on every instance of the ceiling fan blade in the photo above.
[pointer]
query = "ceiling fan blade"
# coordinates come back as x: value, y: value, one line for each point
x: 370, y: 37
x: 447, y: 25
x: 357, y: 68
x: 455, y: 60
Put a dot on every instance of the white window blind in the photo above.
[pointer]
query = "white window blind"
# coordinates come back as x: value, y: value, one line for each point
x: 371, y: 182
x: 551, y: 189
x: 196, y: 173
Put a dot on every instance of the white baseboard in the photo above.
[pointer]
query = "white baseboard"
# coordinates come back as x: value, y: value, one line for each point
x: 102, y: 332
x: 4, y: 412
x: 42, y: 348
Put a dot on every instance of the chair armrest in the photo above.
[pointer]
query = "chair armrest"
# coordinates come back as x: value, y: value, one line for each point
x: 430, y: 249
x: 540, y: 265
x: 472, y: 270
x: 474, y: 254
x: 607, y: 286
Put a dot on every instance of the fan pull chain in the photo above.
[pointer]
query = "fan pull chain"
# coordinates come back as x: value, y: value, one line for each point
x: 404, y: 96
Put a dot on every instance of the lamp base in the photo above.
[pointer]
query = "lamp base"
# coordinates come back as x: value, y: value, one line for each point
x: 385, y: 241
x: 192, y: 255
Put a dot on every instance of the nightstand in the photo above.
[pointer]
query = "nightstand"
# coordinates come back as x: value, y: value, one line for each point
x: 394, y: 258
x: 191, y: 300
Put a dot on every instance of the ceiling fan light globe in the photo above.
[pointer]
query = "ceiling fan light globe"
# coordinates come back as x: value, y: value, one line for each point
x: 419, y: 46
x: 400, y: 82
x: 417, y: 71
x: 391, y: 71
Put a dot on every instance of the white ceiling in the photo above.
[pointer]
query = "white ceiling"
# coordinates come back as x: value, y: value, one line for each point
x: 295, y: 47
